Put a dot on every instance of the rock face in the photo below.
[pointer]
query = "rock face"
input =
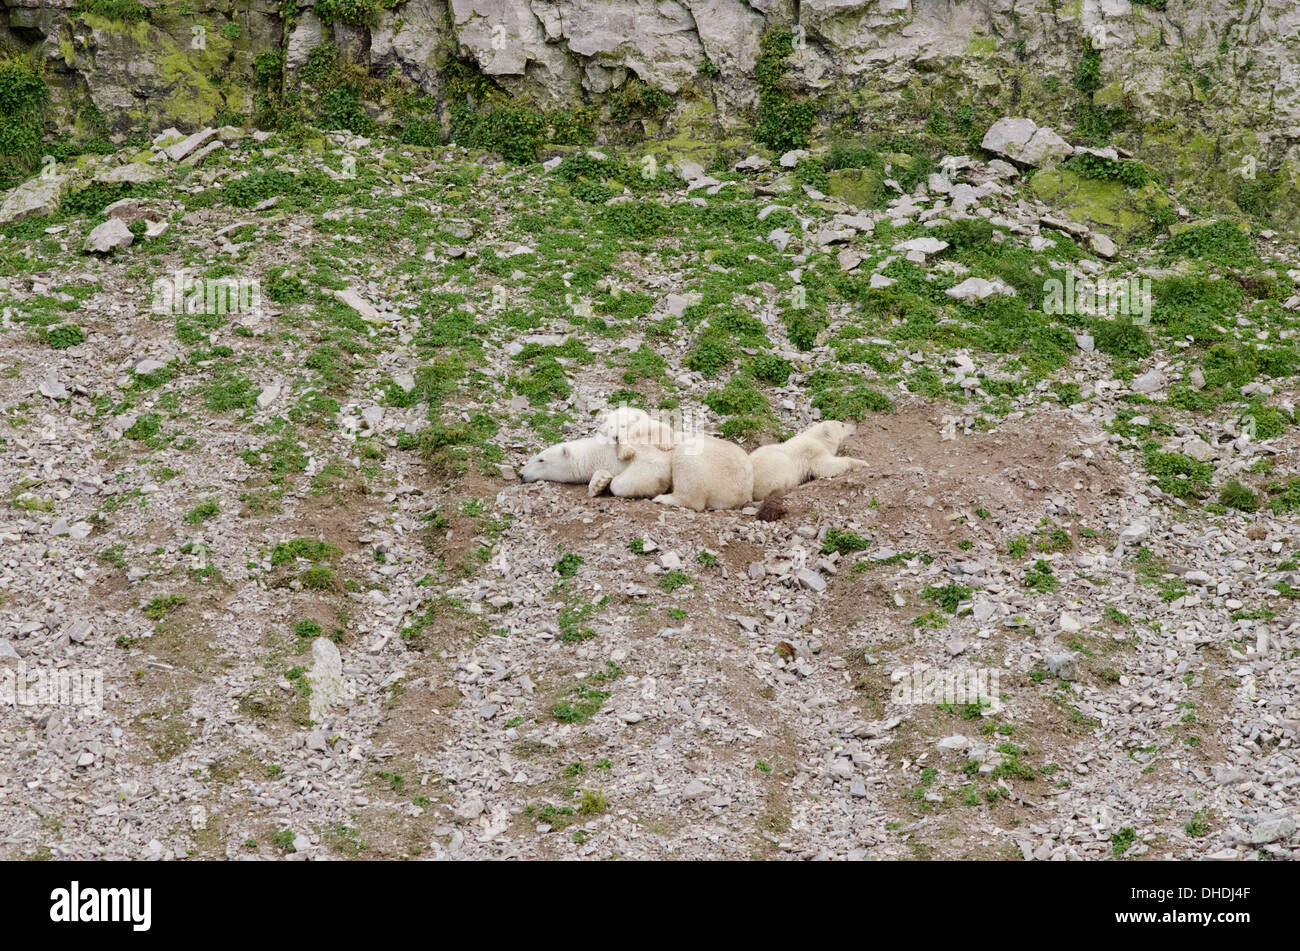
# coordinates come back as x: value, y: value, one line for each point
x: 1016, y: 58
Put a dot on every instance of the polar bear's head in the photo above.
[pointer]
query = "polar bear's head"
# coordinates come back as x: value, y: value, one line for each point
x: 628, y: 425
x: 554, y: 464
x: 833, y: 432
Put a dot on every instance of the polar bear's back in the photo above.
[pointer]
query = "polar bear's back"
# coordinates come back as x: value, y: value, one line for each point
x: 711, y: 473
x: 776, y: 469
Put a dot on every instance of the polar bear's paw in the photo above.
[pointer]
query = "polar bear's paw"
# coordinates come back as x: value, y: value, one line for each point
x: 600, y: 481
x: 667, y: 499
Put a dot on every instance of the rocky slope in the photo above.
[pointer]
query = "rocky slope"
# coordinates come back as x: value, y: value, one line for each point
x: 330, y: 623
x: 1195, y: 89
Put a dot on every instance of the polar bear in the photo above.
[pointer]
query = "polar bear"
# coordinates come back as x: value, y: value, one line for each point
x: 810, y: 455
x: 596, y: 460
x: 575, y: 461
x: 705, y: 472
x: 631, y: 425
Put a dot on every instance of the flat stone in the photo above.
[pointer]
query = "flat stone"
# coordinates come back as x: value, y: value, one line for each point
x: 470, y: 810
x: 807, y: 578
x: 353, y: 299
x: 696, y: 790
x: 1272, y: 829
x: 1149, y: 382
x: 109, y: 236
x: 1199, y: 449
x: 325, y: 677
x: 977, y: 288
x: 188, y: 145
x: 133, y: 173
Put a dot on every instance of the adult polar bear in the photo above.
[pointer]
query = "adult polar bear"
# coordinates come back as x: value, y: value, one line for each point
x: 781, y: 466
x: 598, y: 462
x: 705, y: 472
x: 638, y: 457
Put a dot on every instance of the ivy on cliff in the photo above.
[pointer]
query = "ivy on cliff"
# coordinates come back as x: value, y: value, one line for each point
x: 784, y: 122
x: 23, y: 95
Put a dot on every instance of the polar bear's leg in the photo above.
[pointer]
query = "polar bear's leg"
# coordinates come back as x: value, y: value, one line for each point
x: 829, y: 466
x: 638, y: 481
x: 648, y: 473
x: 669, y: 499
x: 600, y: 481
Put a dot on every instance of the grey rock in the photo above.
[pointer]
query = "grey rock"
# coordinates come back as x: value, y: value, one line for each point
x: 696, y: 790
x: 807, y: 578
x: 109, y: 236
x: 1271, y: 829
x: 37, y: 196
x: 188, y: 145
x: 1065, y: 666
x: 1149, y: 382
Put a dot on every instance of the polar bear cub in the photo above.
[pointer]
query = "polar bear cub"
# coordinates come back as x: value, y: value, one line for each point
x: 705, y: 472
x: 596, y: 459
x: 810, y: 455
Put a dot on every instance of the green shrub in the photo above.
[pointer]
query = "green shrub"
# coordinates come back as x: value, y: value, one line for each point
x: 341, y: 108
x: 844, y: 542
x: 355, y: 12
x: 64, y: 336
x: 23, y: 96
x: 1220, y: 243
x: 770, y: 368
x: 125, y: 11
x: 1132, y: 174
x: 1236, y: 496
x: 256, y: 187
x: 516, y: 133
x: 783, y: 122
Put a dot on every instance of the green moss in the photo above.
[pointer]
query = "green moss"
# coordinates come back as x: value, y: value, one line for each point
x: 863, y: 187
x: 1106, y: 204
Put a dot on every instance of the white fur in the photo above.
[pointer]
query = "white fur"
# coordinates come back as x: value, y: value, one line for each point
x: 810, y: 455
x: 598, y: 461
x: 705, y: 473
x: 630, y: 425
x: 575, y: 461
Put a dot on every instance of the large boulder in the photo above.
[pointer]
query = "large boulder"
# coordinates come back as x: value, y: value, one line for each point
x: 37, y: 196
x: 109, y: 236
x: 1025, y: 141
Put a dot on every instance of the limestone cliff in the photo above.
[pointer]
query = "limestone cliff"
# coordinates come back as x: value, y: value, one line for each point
x: 1196, y: 89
